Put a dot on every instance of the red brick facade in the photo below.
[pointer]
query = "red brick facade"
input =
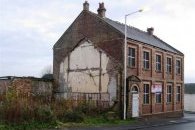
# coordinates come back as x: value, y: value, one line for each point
x: 151, y: 76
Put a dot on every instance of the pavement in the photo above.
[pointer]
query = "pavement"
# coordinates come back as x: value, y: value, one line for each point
x: 143, y: 124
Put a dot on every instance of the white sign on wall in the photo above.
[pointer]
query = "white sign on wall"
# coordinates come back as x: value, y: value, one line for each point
x: 157, y: 88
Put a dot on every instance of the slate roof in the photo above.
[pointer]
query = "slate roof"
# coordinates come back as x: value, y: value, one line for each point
x: 139, y: 35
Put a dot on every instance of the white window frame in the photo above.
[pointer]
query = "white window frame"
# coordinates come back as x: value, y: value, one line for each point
x: 178, y: 94
x: 131, y: 57
x: 169, y: 93
x: 169, y: 65
x: 146, y: 94
x: 158, y: 100
x: 145, y: 60
x: 158, y: 63
x: 178, y: 67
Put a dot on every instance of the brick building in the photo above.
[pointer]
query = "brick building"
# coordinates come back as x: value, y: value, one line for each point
x: 88, y: 58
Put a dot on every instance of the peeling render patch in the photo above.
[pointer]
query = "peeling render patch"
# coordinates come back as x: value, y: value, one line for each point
x: 85, y: 70
x: 112, y: 88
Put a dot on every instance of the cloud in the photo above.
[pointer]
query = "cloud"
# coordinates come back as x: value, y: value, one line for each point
x: 29, y: 29
x: 173, y: 22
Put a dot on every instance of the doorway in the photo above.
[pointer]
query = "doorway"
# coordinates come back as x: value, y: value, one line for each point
x: 135, y: 101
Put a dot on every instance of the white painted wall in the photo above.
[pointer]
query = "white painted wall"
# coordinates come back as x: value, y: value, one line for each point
x: 189, y: 102
x: 86, y: 56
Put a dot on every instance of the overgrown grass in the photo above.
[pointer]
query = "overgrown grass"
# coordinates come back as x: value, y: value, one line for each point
x: 97, y: 122
x: 87, y: 122
x: 19, y: 112
x: 34, y: 125
x: 102, y: 121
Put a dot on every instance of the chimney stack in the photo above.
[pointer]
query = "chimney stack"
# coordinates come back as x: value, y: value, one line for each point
x: 101, y: 10
x: 86, y: 6
x: 150, y: 31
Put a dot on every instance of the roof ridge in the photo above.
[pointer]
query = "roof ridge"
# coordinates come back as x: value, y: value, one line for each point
x: 129, y: 26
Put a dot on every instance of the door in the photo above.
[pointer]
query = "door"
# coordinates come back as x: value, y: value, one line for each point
x: 135, y: 105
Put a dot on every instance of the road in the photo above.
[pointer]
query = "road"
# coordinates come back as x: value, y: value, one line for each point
x: 186, y: 123
x: 183, y: 126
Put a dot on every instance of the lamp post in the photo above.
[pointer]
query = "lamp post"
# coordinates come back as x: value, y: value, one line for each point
x: 125, y: 60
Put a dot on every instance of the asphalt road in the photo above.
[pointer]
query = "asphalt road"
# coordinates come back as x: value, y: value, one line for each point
x: 187, y: 123
x: 183, y: 126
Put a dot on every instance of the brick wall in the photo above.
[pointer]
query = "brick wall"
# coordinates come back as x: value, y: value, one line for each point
x: 87, y: 25
x: 152, y: 76
x: 27, y: 86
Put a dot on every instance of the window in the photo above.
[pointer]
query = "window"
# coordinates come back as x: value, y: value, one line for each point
x: 158, y: 62
x: 169, y: 65
x: 169, y: 93
x: 178, y: 67
x: 158, y: 97
x: 146, y: 94
x: 178, y: 94
x: 146, y: 60
x: 131, y: 57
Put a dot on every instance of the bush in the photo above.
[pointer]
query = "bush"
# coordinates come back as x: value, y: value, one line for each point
x: 44, y: 114
x: 72, y: 117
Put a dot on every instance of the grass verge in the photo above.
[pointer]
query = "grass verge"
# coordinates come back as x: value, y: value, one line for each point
x: 27, y: 126
x: 88, y: 122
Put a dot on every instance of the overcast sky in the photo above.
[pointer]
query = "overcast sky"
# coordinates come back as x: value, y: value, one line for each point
x: 30, y: 28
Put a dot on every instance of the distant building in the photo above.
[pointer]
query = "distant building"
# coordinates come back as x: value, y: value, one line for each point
x: 189, y: 97
x: 88, y: 58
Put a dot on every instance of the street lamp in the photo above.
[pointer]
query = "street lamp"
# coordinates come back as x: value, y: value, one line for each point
x: 125, y: 60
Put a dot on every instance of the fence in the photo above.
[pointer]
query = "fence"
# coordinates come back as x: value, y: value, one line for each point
x: 101, y: 100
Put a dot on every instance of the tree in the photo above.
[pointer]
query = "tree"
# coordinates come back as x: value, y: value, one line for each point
x: 47, y: 72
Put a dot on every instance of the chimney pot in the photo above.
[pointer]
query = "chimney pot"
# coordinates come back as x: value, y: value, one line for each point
x: 101, y: 10
x: 150, y: 31
x: 86, y: 6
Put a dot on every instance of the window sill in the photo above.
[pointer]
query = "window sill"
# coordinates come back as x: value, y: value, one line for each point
x: 158, y: 71
x: 146, y: 104
x: 169, y: 103
x: 131, y: 67
x: 158, y: 103
x: 145, y: 69
x: 178, y: 74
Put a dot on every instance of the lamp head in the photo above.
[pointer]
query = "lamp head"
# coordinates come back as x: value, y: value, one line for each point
x: 144, y: 9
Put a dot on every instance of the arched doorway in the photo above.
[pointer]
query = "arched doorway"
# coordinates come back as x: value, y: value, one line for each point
x: 135, y: 101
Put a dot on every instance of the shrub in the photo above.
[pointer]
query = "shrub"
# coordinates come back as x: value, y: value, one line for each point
x: 44, y: 114
x: 71, y: 116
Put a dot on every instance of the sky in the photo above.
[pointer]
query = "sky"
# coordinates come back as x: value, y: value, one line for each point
x: 30, y: 28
